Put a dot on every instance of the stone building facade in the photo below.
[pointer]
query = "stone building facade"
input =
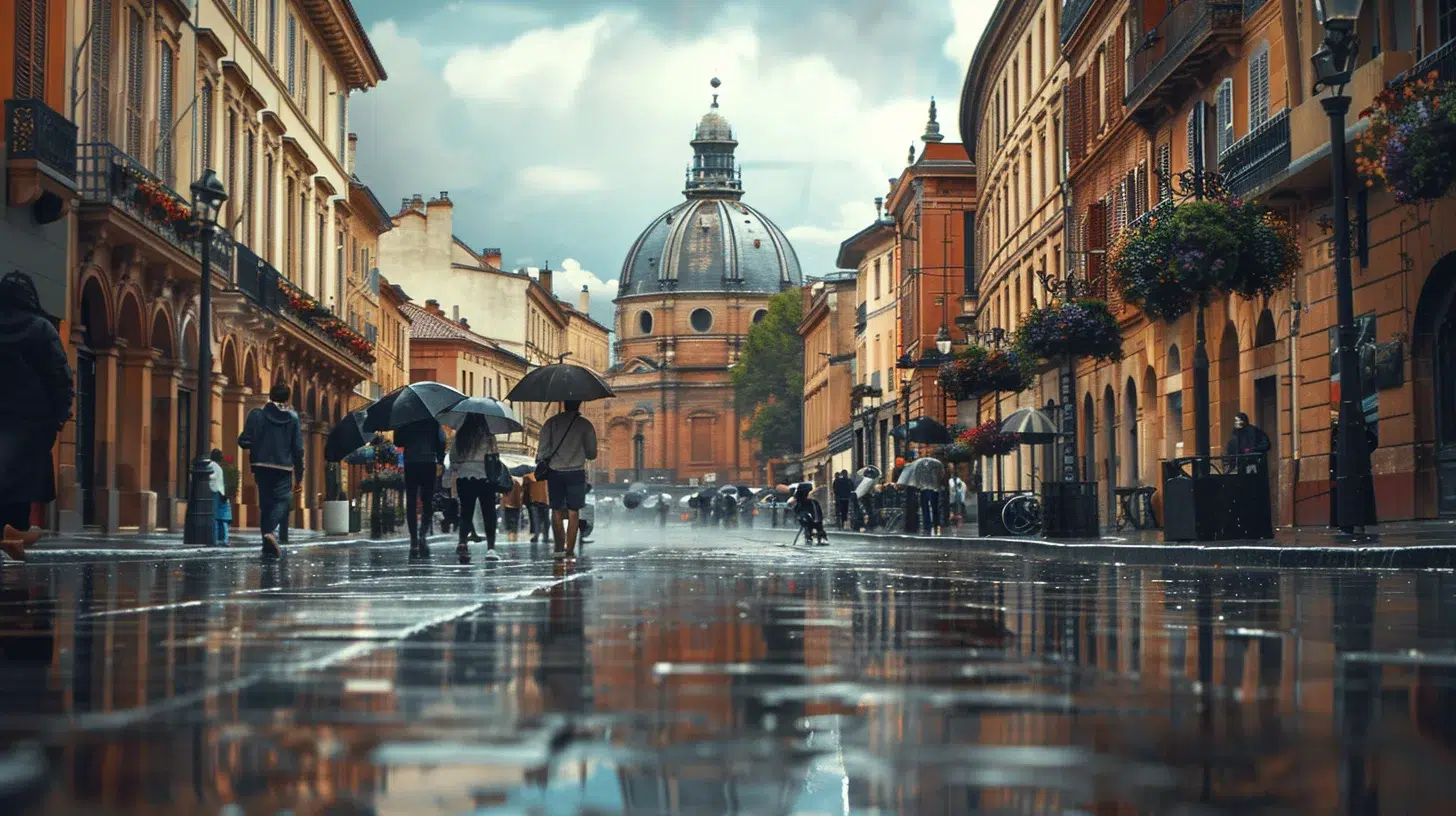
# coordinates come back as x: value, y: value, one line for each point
x: 259, y: 93
x: 392, y: 366
x: 874, y: 395
x: 1150, y: 86
x: 692, y: 285
x: 828, y: 329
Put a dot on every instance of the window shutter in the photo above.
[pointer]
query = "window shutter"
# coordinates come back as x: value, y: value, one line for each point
x: 303, y: 78
x: 1094, y: 110
x: 30, y: 49
x: 1096, y: 239
x: 1192, y: 135
x: 1076, y: 120
x: 135, y: 70
x: 205, y: 113
x: 1116, y: 68
x: 99, y: 94
x: 292, y: 55
x: 252, y: 15
x: 1165, y: 172
x: 273, y: 33
x: 344, y: 125
x: 1141, y: 188
x: 234, y: 201
x: 1225, y: 114
x: 1259, y: 89
x: 165, y: 108
x: 250, y: 169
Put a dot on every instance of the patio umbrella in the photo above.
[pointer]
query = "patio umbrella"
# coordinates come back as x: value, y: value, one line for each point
x: 924, y: 431
x: 651, y: 502
x: 1033, y: 426
x: 346, y: 437
x: 559, y: 383
x: 867, y: 478
x: 925, y: 473
x: 413, y: 403
x: 499, y: 418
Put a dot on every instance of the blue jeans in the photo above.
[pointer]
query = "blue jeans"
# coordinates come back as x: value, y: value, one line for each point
x: 222, y: 514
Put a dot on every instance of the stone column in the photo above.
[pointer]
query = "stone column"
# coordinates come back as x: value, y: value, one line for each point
x: 106, y: 497
x: 232, y: 416
x: 313, y: 443
x: 166, y: 481
x: 134, y: 448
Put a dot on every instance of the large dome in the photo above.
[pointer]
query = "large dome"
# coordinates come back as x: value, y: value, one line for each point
x: 711, y: 245
x: 712, y: 242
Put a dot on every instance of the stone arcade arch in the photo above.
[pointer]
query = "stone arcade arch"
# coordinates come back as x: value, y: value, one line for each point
x: 94, y: 415
x: 1433, y: 382
x: 1229, y: 387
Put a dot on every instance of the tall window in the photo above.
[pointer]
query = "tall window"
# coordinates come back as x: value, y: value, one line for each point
x: 1224, y: 112
x: 204, y: 108
x: 273, y: 33
x: 303, y: 77
x: 252, y: 18
x: 702, y: 439
x: 877, y: 279
x: 320, y: 239
x: 270, y: 204
x: 99, y: 92
x: 30, y: 49
x: 344, y: 124
x: 1259, y: 88
x: 339, y: 271
x: 323, y: 97
x: 165, y: 131
x: 235, y: 201
x: 303, y: 237
x: 250, y: 168
x: 289, y: 227
x: 1165, y: 172
x: 291, y: 54
x: 135, y: 72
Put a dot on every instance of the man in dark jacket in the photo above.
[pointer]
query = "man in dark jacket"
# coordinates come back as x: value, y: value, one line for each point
x: 38, y: 380
x: 1246, y: 440
x: 424, y: 461
x: 273, y: 439
x: 843, y: 497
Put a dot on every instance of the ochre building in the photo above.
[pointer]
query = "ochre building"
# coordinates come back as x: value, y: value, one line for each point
x: 692, y: 285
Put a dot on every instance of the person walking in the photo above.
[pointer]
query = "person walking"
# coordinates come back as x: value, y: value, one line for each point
x: 843, y: 497
x: 424, y: 461
x: 958, y: 499
x: 537, y: 499
x: 39, y: 390
x: 273, y: 438
x: 571, y: 440
x: 511, y: 502
x: 222, y: 511
x: 476, y: 463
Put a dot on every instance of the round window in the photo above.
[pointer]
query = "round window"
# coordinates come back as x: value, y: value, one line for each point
x: 644, y: 322
x: 702, y: 320
x: 759, y: 315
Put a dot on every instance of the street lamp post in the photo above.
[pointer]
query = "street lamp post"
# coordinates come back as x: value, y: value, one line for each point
x: 200, y: 528
x: 1333, y: 65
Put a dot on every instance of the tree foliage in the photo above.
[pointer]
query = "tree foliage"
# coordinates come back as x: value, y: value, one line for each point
x: 768, y: 379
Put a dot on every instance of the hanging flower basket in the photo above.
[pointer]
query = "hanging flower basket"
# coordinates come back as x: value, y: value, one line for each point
x: 987, y: 439
x: 385, y: 477
x: 954, y: 453
x: 1410, y: 146
x: 1081, y: 328
x: 978, y: 371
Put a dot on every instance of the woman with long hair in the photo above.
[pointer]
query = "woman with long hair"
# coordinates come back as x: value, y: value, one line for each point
x: 473, y: 458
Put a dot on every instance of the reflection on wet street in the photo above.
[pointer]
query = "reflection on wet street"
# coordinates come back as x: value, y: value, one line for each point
x: 723, y: 673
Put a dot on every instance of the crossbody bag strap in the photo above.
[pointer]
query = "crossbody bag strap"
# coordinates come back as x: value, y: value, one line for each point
x: 569, y: 426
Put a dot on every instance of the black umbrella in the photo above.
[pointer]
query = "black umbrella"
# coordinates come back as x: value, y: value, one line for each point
x: 413, y: 403
x: 559, y: 383
x: 635, y: 496
x: 924, y: 431
x: 498, y: 416
x: 522, y: 470
x: 346, y: 437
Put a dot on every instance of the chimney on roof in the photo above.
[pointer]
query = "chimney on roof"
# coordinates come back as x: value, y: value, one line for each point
x: 464, y: 323
x: 583, y: 300
x: 545, y: 278
x: 351, y: 153
x: 433, y: 307
x: 492, y: 257
x: 442, y: 201
x: 455, y: 313
x: 417, y: 202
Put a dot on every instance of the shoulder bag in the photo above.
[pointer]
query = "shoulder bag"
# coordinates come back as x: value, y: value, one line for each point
x: 543, y: 466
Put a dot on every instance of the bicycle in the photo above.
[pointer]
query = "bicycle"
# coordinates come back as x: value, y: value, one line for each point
x: 1022, y: 515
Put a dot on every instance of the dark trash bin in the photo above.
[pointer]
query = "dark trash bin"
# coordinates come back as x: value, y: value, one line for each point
x: 989, y: 504
x: 1069, y: 510
x: 1222, y: 498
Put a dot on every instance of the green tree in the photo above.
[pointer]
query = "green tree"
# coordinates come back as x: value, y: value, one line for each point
x: 768, y: 380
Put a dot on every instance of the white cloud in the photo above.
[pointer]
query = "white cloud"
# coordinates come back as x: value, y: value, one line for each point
x: 543, y: 67
x: 551, y: 179
x: 566, y: 283
x: 969, y: 19
x: 853, y: 217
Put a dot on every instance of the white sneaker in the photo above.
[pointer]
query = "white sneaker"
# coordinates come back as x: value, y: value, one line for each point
x: 492, y: 555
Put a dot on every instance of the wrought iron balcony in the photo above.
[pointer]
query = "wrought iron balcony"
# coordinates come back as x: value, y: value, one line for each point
x: 266, y: 287
x: 1178, y: 51
x: 1258, y: 157
x: 34, y: 131
x: 1072, y: 13
x: 1442, y: 61
x: 108, y: 176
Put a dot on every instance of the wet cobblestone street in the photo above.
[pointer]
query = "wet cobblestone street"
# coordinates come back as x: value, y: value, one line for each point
x: 696, y: 672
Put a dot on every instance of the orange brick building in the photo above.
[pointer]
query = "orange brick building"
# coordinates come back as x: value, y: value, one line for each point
x: 828, y: 329
x: 693, y: 284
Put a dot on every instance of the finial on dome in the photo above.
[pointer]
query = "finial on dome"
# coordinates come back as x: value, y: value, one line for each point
x: 911, y: 158
x: 932, y: 127
x: 716, y: 83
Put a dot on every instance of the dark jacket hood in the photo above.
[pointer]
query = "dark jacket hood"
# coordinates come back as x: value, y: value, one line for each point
x: 278, y: 416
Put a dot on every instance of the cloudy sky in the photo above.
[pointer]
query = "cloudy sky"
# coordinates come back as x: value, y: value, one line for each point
x: 561, y: 127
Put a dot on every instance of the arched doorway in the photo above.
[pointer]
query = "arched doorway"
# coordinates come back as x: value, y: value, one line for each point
x: 132, y: 442
x: 1131, y: 459
x: 95, y: 327
x: 168, y: 460
x: 1228, y: 385
x: 1089, y: 440
x: 1173, y: 404
x: 1109, y: 463
x: 1433, y: 353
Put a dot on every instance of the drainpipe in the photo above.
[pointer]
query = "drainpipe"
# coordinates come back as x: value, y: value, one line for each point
x: 1295, y: 311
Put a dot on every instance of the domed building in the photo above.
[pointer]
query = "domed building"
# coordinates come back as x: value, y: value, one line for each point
x: 693, y: 283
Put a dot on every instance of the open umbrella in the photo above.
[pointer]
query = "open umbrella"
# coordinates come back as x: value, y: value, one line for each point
x: 923, y: 430
x: 1033, y: 426
x: 346, y: 437
x: 635, y: 495
x: 498, y: 416
x: 867, y: 476
x: 522, y: 470
x: 413, y: 403
x: 925, y: 473
x: 559, y: 383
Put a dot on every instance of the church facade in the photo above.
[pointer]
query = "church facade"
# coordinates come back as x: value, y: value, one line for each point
x: 692, y: 285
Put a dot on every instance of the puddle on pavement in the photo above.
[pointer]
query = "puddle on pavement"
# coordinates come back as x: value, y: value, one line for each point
x: 858, y: 681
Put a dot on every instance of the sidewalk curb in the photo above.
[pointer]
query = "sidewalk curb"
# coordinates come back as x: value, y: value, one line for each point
x: 253, y: 549
x: 1270, y: 555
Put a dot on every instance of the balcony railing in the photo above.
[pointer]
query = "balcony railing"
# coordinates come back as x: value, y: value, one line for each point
x: 1179, y: 36
x: 1258, y: 157
x: 265, y: 286
x: 1252, y: 6
x: 1072, y: 13
x: 34, y: 131
x: 1442, y: 61
x: 107, y: 175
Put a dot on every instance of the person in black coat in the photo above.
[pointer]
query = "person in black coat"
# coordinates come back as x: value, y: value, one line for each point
x: 40, y: 392
x: 1246, y: 440
x: 273, y: 438
x: 843, y: 497
x: 424, y: 461
x: 1372, y: 441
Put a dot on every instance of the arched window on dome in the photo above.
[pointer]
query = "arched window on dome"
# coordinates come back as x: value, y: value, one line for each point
x: 701, y: 320
x: 644, y: 322
x: 759, y: 315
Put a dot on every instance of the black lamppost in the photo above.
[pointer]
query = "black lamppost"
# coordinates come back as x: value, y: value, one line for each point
x: 1333, y: 64
x: 200, y: 529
